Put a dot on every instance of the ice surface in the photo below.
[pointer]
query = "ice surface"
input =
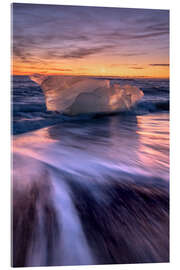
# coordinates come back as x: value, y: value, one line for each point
x: 78, y: 95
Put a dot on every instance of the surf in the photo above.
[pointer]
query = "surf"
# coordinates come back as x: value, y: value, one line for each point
x: 79, y: 201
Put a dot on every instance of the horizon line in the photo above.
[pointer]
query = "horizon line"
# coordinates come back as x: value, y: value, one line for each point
x: 90, y: 75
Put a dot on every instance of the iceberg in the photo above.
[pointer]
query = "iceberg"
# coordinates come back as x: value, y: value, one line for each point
x: 73, y: 95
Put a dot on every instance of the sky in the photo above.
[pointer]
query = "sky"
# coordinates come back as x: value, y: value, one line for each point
x: 97, y: 41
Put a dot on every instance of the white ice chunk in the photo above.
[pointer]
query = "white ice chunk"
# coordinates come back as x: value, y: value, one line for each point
x: 78, y: 95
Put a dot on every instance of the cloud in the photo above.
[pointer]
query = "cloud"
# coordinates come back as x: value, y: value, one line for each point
x: 61, y: 69
x: 133, y: 54
x: 136, y: 67
x: 159, y: 65
x: 149, y: 35
x: 164, y: 27
x: 83, y: 52
x: 22, y: 54
x: 19, y: 52
x: 123, y: 35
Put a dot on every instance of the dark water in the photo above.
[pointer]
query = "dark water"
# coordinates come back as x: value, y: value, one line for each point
x: 92, y: 189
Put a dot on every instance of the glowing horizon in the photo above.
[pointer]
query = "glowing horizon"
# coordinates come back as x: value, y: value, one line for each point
x: 90, y: 41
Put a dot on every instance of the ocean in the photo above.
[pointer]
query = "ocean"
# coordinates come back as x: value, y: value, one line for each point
x: 90, y: 189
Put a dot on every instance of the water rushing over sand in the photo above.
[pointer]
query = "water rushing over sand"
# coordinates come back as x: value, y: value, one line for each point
x: 95, y: 193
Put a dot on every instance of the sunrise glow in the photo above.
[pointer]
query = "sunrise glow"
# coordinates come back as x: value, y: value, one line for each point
x: 93, y: 41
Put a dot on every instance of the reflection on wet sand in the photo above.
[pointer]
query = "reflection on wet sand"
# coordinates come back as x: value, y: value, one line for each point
x: 153, y: 131
x: 142, y: 146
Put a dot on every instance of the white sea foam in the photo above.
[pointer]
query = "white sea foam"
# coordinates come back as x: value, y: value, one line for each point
x: 45, y: 189
x: 79, y: 95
